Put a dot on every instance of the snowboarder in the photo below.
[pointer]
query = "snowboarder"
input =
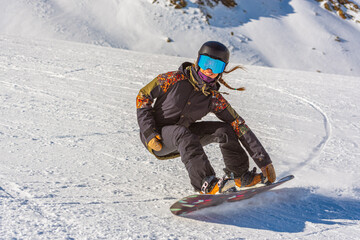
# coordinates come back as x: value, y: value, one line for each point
x: 170, y: 128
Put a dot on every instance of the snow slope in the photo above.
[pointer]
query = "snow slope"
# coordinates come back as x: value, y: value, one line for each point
x: 291, y: 34
x: 72, y: 165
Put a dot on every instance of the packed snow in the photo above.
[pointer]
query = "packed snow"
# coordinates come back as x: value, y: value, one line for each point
x: 73, y: 167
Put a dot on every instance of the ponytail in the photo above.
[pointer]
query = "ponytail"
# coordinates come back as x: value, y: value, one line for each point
x: 222, y: 81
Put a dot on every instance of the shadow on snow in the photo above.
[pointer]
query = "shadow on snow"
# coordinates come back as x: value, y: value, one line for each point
x: 284, y: 210
x: 247, y: 11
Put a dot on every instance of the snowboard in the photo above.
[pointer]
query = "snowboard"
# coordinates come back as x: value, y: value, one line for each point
x: 199, y: 201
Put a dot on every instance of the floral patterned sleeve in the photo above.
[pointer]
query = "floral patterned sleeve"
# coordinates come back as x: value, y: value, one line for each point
x: 147, y: 95
x: 226, y: 113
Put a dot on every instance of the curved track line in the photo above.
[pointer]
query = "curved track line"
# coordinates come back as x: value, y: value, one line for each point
x: 327, y: 127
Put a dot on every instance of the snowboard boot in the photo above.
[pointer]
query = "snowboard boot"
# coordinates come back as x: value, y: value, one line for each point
x: 249, y: 179
x: 214, y: 185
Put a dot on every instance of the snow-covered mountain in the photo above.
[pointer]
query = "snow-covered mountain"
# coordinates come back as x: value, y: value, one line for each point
x: 308, y: 35
x: 72, y: 165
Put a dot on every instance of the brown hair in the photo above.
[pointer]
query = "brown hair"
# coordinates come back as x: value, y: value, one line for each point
x: 222, y: 81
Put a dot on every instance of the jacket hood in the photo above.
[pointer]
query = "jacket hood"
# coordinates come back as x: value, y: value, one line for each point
x: 183, y: 67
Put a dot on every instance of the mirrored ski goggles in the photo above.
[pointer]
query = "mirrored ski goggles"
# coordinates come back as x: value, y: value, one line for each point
x: 217, y: 66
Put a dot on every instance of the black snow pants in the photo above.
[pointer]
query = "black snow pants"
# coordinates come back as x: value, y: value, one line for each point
x: 189, y: 143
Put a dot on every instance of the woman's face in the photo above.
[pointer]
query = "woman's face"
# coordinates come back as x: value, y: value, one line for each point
x: 208, y: 72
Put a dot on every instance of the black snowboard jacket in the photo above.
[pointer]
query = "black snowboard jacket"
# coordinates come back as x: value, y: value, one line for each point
x: 182, y: 98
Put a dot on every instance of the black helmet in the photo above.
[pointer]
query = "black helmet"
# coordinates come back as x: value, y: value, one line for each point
x: 215, y: 50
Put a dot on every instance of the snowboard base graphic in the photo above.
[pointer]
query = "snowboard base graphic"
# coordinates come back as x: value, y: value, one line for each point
x: 199, y: 201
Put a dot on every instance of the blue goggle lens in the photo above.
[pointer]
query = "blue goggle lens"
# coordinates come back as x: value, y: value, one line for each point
x: 206, y: 62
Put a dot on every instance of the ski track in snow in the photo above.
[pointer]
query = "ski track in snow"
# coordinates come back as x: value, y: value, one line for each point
x: 318, y: 149
x: 73, y: 167
x: 37, y: 211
